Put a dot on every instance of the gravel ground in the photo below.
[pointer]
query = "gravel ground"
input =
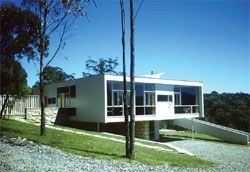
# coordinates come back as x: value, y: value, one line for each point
x: 22, y: 155
x: 230, y: 157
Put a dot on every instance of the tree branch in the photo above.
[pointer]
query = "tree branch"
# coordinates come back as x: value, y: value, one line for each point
x: 59, y: 45
x: 138, y: 9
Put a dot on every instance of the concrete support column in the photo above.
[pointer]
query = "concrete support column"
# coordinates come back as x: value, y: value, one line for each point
x: 142, y: 129
x: 154, y: 127
x: 147, y: 130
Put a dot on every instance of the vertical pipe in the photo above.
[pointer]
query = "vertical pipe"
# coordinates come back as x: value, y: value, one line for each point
x: 192, y: 128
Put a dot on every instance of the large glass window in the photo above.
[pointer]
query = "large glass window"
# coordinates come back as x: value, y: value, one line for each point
x: 109, y: 93
x: 150, y: 98
x: 149, y: 103
x: 177, y: 88
x: 117, y: 85
x: 189, y: 95
x: 139, y: 91
x: 149, y: 87
x: 164, y: 87
x: 117, y: 98
x: 140, y: 110
x: 114, y: 111
x: 164, y: 98
x: 177, y: 99
x: 149, y: 110
x: 144, y: 98
x: 186, y: 99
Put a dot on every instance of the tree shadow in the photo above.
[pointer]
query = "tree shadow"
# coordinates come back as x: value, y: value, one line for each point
x: 170, y: 139
x: 177, y: 138
x: 115, y: 156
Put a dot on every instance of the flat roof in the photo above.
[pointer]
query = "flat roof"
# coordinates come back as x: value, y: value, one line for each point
x: 156, y: 80
x: 140, y: 79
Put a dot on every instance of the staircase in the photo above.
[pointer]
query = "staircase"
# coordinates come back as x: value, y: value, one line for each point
x: 224, y: 133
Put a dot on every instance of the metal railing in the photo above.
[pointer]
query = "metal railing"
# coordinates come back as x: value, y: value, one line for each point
x: 188, y: 109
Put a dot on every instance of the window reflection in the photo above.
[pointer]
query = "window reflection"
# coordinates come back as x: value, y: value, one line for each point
x: 144, y: 97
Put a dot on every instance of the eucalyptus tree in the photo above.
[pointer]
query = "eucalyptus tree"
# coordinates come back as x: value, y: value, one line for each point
x: 18, y: 40
x: 56, y: 20
x: 13, y: 81
x: 125, y: 106
x: 18, y: 32
x: 101, y: 66
x: 132, y: 83
x: 54, y: 75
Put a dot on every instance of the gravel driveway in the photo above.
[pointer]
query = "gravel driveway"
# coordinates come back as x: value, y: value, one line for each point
x: 229, y: 157
x: 17, y: 155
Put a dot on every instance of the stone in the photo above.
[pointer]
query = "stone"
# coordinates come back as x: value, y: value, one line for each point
x: 34, y: 115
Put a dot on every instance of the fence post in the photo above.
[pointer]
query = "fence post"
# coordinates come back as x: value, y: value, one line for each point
x: 25, y: 113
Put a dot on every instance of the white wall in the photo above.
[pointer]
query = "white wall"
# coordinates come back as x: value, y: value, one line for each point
x: 165, y: 109
x: 90, y: 99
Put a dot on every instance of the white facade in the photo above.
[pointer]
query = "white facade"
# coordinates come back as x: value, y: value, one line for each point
x: 93, y: 101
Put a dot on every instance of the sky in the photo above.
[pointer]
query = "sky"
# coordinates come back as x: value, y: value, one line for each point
x: 200, y: 40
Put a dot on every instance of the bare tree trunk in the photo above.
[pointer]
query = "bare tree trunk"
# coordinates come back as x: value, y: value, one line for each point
x: 4, y: 105
x: 41, y: 89
x: 132, y: 86
x: 42, y: 51
x: 125, y: 106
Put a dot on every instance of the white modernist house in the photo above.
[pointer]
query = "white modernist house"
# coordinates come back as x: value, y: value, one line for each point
x: 99, y: 99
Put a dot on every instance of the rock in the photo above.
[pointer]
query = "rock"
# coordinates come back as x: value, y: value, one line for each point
x: 34, y: 115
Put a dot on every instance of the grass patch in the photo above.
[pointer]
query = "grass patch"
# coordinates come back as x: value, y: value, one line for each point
x: 179, y: 135
x: 188, y: 135
x: 116, y: 136
x: 93, y: 147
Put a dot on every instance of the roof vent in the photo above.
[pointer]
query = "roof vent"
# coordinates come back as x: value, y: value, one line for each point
x: 154, y: 75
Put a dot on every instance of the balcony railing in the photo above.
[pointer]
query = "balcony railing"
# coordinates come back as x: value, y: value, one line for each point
x: 189, y: 109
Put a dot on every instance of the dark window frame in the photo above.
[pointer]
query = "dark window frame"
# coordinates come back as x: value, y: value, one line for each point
x: 51, y: 100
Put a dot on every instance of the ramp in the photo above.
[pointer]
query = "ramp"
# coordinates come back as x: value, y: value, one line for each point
x: 224, y: 133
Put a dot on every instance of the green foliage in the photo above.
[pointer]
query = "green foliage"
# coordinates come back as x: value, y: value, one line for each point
x: 54, y: 75
x: 89, y: 146
x: 100, y: 67
x: 227, y: 109
x: 13, y: 82
x: 13, y: 78
x: 18, y: 30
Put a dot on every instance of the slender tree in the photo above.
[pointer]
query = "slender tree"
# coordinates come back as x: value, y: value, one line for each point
x: 132, y: 83
x: 125, y: 106
x: 56, y: 17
